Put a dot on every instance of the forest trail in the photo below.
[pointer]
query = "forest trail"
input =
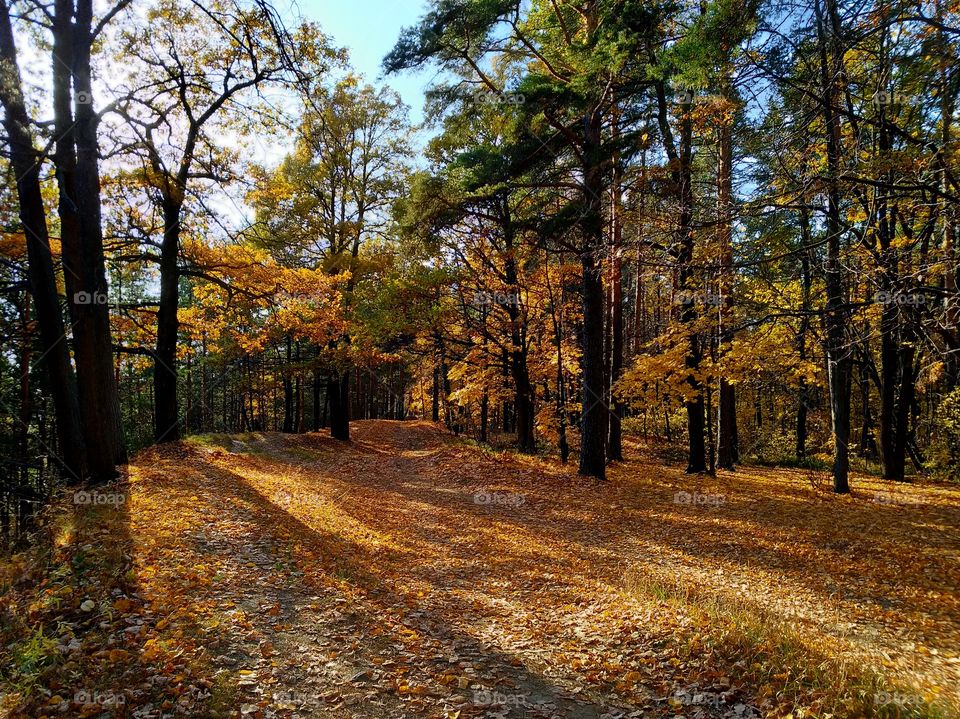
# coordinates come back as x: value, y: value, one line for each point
x: 410, y: 574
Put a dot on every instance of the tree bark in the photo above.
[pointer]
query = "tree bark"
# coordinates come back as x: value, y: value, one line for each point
x: 728, y: 450
x: 806, y: 279
x: 26, y: 164
x: 99, y: 400
x: 593, y: 416
x: 523, y: 390
x: 338, y: 389
x: 838, y: 353
x: 166, y: 419
x: 615, y: 436
x: 696, y: 460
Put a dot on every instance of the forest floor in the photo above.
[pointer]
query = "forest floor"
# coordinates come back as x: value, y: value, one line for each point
x: 412, y: 574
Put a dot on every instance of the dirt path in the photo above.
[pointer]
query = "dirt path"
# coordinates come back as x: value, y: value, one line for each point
x: 410, y: 575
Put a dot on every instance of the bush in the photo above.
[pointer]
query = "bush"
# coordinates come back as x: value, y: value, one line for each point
x: 945, y: 448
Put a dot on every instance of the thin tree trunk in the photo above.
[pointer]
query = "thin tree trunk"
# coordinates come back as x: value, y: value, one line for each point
x: 803, y: 403
x: 728, y: 450
x: 838, y: 353
x: 615, y: 436
x: 523, y: 389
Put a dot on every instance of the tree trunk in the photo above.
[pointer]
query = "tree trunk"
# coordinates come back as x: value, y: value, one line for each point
x: 26, y: 164
x: 561, y: 390
x: 338, y: 389
x: 166, y: 420
x: 523, y: 390
x: 593, y: 417
x: 696, y: 460
x: 803, y: 403
x: 593, y: 413
x: 951, y: 266
x: 288, y: 408
x: 99, y: 401
x: 316, y: 401
x: 728, y: 450
x: 615, y: 436
x: 838, y: 354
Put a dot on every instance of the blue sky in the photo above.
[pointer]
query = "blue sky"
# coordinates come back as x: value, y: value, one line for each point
x: 369, y: 28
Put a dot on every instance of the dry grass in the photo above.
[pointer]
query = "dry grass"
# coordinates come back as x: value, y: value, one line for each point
x: 771, y: 650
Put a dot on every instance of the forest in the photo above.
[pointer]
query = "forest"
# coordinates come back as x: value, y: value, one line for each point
x: 662, y: 287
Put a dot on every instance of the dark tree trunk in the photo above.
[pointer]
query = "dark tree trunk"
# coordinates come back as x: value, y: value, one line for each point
x: 696, y: 425
x: 615, y: 434
x: 26, y: 341
x: 681, y: 176
x: 907, y: 394
x: 484, y: 414
x: 868, y: 445
x: 288, y: 408
x: 166, y: 419
x: 317, y: 410
x: 561, y: 385
x: 523, y: 390
x: 728, y: 449
x: 594, y: 415
x: 99, y: 401
x: 338, y: 389
x: 803, y: 403
x: 838, y: 354
x: 26, y: 164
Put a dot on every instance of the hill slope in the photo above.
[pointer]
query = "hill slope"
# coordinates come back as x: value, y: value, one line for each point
x: 412, y: 574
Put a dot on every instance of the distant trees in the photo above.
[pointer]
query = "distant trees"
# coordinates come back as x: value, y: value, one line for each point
x: 329, y: 197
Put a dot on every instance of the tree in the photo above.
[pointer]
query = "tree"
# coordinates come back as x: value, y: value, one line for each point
x: 26, y: 162
x: 331, y: 195
x: 196, y: 70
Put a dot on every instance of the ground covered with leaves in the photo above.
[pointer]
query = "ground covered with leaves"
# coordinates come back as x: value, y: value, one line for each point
x: 412, y: 574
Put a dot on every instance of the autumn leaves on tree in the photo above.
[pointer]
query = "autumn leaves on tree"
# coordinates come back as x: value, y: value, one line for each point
x: 728, y: 225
